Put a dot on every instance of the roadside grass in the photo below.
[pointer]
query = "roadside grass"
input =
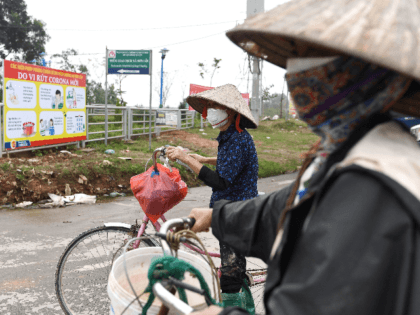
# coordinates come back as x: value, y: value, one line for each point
x: 279, y: 144
x: 5, y: 166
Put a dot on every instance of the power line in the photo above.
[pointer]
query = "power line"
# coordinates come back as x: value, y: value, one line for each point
x: 121, y: 30
x: 187, y: 41
x: 165, y: 45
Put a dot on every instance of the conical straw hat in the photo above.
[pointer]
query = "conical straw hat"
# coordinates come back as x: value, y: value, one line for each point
x: 383, y: 32
x: 227, y: 96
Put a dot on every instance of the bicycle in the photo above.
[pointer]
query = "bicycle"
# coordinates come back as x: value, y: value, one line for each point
x: 82, y: 271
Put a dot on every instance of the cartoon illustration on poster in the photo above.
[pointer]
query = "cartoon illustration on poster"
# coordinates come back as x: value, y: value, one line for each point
x: 20, y: 94
x: 75, y: 122
x: 43, y: 106
x: 51, y: 123
x: 75, y: 98
x: 20, y: 124
x: 42, y: 127
x: 50, y: 96
x: 11, y: 94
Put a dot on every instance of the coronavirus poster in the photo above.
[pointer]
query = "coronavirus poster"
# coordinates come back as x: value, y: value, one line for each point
x: 42, y: 106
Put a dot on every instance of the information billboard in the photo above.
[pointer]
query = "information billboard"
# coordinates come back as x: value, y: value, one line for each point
x: 128, y: 61
x: 42, y: 106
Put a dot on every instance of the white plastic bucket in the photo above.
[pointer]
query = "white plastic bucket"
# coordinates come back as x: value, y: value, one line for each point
x: 138, y: 262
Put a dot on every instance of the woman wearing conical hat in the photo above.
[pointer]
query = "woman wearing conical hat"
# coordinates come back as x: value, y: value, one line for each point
x: 345, y: 237
x: 236, y: 174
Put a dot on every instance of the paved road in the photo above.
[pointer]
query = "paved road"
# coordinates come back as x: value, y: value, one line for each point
x: 33, y: 240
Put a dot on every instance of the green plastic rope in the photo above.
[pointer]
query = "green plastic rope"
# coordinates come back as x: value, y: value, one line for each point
x: 168, y: 266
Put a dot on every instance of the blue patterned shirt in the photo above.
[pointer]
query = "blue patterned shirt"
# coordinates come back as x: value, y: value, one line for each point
x: 237, y: 162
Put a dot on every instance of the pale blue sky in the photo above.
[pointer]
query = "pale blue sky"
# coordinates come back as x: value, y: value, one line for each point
x: 90, y: 25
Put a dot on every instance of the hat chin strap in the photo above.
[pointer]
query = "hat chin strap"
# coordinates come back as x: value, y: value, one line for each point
x: 238, y: 119
x: 204, y: 113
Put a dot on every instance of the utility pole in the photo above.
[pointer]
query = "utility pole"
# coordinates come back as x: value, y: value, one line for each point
x: 261, y: 92
x: 282, y: 95
x: 254, y: 7
x: 106, y: 96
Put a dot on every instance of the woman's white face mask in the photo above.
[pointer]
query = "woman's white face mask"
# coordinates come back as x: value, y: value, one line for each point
x: 217, y: 117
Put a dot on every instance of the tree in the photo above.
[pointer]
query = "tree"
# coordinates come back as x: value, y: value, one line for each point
x: 120, y: 92
x: 96, y: 94
x: 244, y: 71
x: 20, y: 34
x: 183, y: 104
x: 65, y: 63
x: 274, y: 103
x: 168, y: 81
x: 277, y: 105
x: 204, y: 71
x: 267, y: 95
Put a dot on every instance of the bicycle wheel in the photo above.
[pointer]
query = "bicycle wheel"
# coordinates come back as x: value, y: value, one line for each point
x: 82, y: 272
x: 257, y: 270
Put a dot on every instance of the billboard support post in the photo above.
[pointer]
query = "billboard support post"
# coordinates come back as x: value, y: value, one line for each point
x: 150, y: 102
x: 106, y: 96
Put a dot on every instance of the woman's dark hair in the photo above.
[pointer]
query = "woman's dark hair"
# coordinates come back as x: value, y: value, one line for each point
x: 241, y: 122
x: 58, y: 92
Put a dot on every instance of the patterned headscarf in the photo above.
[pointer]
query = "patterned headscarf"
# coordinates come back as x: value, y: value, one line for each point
x: 335, y: 97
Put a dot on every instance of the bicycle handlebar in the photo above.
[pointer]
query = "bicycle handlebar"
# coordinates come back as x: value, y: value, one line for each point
x: 162, y: 151
x: 170, y: 300
x: 173, y: 223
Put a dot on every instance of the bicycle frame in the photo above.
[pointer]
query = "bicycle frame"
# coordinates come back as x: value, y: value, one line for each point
x: 157, y: 227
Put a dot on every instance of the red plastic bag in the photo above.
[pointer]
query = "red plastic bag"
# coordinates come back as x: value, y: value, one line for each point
x: 158, y: 192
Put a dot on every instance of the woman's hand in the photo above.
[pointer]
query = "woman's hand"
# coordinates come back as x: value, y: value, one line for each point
x: 202, y: 218
x: 212, y: 310
x: 175, y: 153
x: 198, y: 157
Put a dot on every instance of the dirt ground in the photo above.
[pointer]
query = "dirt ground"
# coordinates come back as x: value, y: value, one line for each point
x: 26, y: 177
x: 190, y: 138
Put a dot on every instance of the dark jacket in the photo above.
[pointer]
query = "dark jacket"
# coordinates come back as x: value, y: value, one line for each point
x: 237, y: 162
x: 351, y: 246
